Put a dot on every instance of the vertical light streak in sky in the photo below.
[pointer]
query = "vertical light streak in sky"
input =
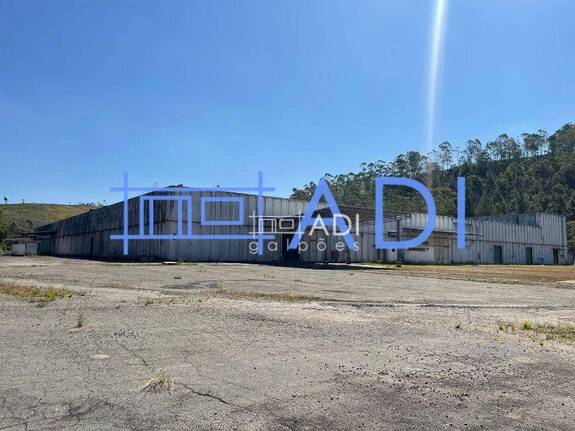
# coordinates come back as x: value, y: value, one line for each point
x: 436, y: 51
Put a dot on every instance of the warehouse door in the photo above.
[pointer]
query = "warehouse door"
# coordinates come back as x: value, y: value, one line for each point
x: 498, y: 254
x: 288, y: 255
x: 555, y: 256
x: 381, y: 254
x: 528, y: 255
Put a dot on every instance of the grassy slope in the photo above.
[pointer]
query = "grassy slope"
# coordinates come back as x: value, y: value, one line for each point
x: 38, y: 214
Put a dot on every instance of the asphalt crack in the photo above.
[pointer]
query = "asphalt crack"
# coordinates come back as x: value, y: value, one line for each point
x: 206, y: 394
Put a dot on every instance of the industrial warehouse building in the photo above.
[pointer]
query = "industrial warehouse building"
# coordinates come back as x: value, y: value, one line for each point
x: 506, y: 239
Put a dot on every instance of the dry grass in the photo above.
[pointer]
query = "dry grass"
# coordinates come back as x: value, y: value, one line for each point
x: 563, y: 331
x: 526, y: 325
x: 34, y: 293
x: 507, y: 274
x: 40, y: 214
x: 506, y: 326
x: 547, y: 331
x: 280, y: 296
x: 160, y: 381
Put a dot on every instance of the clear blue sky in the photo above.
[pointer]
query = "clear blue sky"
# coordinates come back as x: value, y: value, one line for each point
x: 170, y: 91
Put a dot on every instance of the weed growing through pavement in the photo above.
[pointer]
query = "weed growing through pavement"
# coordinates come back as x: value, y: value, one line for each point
x: 80, y: 321
x: 506, y: 326
x: 549, y: 331
x: 526, y: 325
x: 160, y: 381
x: 563, y: 331
x: 34, y: 293
x: 281, y: 296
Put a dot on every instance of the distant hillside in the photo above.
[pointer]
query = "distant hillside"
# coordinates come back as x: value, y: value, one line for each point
x: 531, y: 173
x: 26, y: 216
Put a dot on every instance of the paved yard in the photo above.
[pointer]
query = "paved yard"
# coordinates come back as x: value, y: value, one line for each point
x: 252, y: 347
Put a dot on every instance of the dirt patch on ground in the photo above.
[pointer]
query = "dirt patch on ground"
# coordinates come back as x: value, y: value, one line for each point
x: 514, y: 274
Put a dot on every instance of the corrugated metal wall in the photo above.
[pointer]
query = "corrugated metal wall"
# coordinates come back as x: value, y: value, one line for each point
x: 543, y: 233
x: 89, y: 234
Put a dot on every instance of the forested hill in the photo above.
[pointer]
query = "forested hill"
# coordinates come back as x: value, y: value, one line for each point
x: 532, y: 173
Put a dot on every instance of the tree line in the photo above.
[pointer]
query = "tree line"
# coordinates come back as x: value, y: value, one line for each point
x: 534, y: 172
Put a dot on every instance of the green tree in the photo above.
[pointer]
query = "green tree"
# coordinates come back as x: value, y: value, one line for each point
x: 415, y: 164
x: 445, y: 200
x: 534, y: 143
x: 473, y: 152
x: 563, y: 140
x: 444, y: 155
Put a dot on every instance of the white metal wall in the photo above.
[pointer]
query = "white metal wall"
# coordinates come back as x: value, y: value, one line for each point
x: 545, y: 233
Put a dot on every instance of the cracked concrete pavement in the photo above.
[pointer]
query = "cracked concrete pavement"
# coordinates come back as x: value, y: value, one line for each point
x: 379, y: 350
